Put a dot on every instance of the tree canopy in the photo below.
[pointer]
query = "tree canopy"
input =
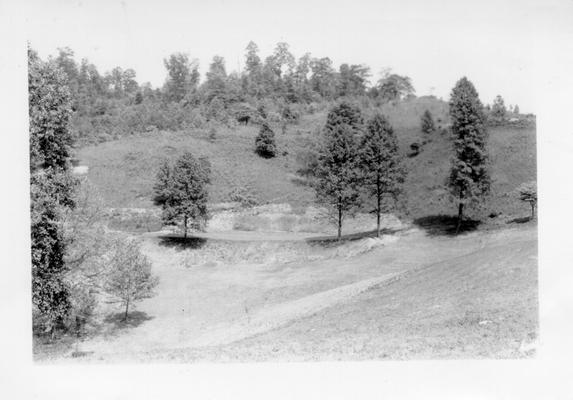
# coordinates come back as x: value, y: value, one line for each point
x: 181, y: 191
x: 469, y: 179
x: 382, y: 171
x: 338, y: 174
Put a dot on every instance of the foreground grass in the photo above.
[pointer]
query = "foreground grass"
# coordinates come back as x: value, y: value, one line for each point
x: 483, y: 305
x: 471, y: 296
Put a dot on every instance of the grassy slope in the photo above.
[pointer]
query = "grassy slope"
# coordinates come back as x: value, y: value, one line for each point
x: 124, y: 170
x: 480, y: 305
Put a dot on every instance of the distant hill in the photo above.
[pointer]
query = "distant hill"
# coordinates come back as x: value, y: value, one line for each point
x: 124, y: 170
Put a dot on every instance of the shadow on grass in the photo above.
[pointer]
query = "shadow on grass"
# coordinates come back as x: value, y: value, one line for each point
x: 181, y: 243
x: 134, y: 319
x: 332, y: 241
x: 445, y: 225
x: 521, y: 220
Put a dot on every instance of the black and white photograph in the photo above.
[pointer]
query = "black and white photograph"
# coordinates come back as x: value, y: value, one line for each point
x: 237, y: 182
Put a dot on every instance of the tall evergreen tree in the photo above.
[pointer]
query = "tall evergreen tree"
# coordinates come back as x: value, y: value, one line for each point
x: 382, y: 171
x: 338, y: 170
x: 469, y: 178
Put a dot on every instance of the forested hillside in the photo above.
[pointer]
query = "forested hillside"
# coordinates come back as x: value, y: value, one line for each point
x: 218, y: 115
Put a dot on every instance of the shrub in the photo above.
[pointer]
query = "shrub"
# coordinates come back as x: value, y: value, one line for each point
x: 265, y: 142
x: 528, y: 192
x: 244, y: 196
x: 415, y: 149
x: 290, y: 115
x: 428, y: 122
x: 212, y: 134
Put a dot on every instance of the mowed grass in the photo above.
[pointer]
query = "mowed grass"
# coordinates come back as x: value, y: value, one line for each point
x: 124, y: 170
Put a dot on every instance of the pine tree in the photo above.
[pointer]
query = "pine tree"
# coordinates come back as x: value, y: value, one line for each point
x: 469, y: 179
x: 265, y: 142
x: 428, y: 125
x: 181, y: 191
x: 338, y: 171
x: 382, y: 171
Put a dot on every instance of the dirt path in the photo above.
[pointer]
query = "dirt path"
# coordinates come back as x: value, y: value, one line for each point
x: 275, y: 316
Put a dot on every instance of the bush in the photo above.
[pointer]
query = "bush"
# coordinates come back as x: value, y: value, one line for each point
x: 265, y: 142
x: 415, y: 149
x: 290, y: 115
x: 428, y: 123
x: 528, y: 192
x: 244, y: 196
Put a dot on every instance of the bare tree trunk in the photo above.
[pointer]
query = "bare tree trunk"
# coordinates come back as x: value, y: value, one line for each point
x: 532, y: 210
x: 460, y: 216
x: 126, y: 310
x: 379, y: 198
x: 339, y: 220
x: 185, y: 227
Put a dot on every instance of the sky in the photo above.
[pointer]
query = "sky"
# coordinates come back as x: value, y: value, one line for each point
x: 496, y: 44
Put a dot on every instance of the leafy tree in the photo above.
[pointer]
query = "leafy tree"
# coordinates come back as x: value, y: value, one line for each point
x: 382, y: 172
x: 50, y: 292
x: 323, y: 77
x: 66, y: 63
x: 498, y: 109
x: 300, y: 78
x: 428, y: 125
x: 254, y: 69
x: 50, y: 112
x: 282, y: 60
x: 338, y: 166
x: 122, y: 82
x: 516, y: 109
x: 129, y: 277
x: 394, y: 87
x: 51, y: 187
x: 352, y: 80
x: 265, y: 142
x: 86, y: 243
x: 183, y: 76
x: 181, y: 191
x: 528, y: 193
x: 469, y: 178
x: 216, y: 83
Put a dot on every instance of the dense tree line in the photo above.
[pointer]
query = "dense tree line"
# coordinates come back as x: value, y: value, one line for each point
x: 111, y: 104
x: 68, y: 247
